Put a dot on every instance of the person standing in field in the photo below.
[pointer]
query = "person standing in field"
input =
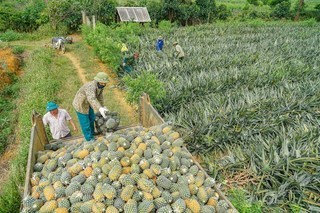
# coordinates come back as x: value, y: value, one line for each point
x: 178, y: 51
x: 129, y: 62
x: 57, y: 120
x: 159, y: 44
x: 88, y: 98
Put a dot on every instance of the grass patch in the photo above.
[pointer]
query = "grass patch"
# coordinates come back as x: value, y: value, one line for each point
x: 7, y: 116
x: 42, y: 81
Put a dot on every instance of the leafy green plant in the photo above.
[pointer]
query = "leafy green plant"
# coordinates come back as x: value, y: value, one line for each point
x: 240, y: 201
x: 10, y: 35
x: 18, y: 50
x: 148, y: 83
x: 7, y: 115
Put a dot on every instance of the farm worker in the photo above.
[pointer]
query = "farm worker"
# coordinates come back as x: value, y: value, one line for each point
x: 57, y: 120
x: 88, y: 98
x: 129, y: 62
x: 159, y: 44
x: 178, y: 51
x: 124, y: 48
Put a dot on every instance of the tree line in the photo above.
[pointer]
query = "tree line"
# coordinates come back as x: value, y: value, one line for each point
x: 29, y: 15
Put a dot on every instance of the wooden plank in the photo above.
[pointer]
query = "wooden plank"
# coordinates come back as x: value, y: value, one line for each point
x: 30, y: 164
x: 148, y: 114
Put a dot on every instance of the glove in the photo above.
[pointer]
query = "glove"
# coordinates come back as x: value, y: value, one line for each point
x: 103, y: 111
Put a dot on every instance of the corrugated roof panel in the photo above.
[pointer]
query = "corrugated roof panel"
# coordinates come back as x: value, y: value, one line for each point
x: 140, y: 15
x: 136, y: 14
x: 123, y: 14
x: 132, y: 14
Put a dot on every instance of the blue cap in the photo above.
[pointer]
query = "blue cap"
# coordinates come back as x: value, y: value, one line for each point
x: 51, y: 106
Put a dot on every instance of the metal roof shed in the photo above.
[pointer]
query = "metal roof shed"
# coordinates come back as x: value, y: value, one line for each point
x: 135, y: 14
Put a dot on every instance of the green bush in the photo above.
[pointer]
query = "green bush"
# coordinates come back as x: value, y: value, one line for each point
x: 46, y: 30
x: 146, y: 82
x: 281, y: 10
x: 223, y: 12
x: 18, y: 50
x: 254, y: 12
x: 165, y: 26
x: 10, y: 35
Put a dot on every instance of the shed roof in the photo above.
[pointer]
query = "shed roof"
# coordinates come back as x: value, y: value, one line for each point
x: 135, y: 14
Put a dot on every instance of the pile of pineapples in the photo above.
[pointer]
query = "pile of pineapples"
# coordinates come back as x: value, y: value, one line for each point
x: 132, y: 170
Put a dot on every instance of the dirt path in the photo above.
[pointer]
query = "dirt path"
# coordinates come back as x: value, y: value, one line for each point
x: 76, y: 64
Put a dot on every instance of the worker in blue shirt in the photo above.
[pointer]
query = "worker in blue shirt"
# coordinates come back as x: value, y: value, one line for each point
x: 159, y: 44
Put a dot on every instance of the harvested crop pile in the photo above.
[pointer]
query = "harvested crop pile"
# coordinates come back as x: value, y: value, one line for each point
x: 108, y: 124
x: 9, y: 64
x: 132, y: 170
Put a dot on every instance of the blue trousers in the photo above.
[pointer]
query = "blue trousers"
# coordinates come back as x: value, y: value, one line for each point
x: 87, y: 124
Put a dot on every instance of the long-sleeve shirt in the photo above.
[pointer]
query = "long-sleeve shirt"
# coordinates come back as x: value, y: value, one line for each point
x: 179, y: 51
x: 89, y: 95
x: 58, y: 125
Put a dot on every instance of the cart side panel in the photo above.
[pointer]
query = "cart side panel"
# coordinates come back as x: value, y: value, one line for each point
x: 38, y: 139
x: 148, y: 114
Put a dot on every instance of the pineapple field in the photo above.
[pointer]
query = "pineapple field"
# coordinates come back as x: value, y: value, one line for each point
x: 247, y: 98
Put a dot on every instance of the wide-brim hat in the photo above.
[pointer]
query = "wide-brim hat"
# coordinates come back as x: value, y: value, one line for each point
x: 174, y: 43
x: 51, y: 106
x: 101, y: 77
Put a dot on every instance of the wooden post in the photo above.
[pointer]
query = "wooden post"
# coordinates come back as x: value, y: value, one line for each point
x: 83, y: 17
x: 88, y: 22
x: 94, y: 22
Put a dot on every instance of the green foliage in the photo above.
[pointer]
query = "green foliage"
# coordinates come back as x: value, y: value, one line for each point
x: 46, y: 30
x: 155, y: 10
x: 10, y: 35
x: 253, y: 12
x: 59, y: 10
x: 148, y: 83
x: 223, y: 12
x: 41, y: 82
x: 106, y: 40
x: 18, y: 50
x: 104, y: 43
x: 281, y: 10
x: 23, y: 19
x: 7, y: 112
x: 240, y: 201
x: 207, y: 9
x: 165, y: 26
x: 309, y: 22
x: 254, y: 2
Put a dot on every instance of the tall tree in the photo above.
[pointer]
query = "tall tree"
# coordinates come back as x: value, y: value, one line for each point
x: 299, y: 9
x: 207, y: 8
x: 58, y: 11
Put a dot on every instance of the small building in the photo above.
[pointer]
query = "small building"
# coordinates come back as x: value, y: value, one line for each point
x: 133, y: 14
